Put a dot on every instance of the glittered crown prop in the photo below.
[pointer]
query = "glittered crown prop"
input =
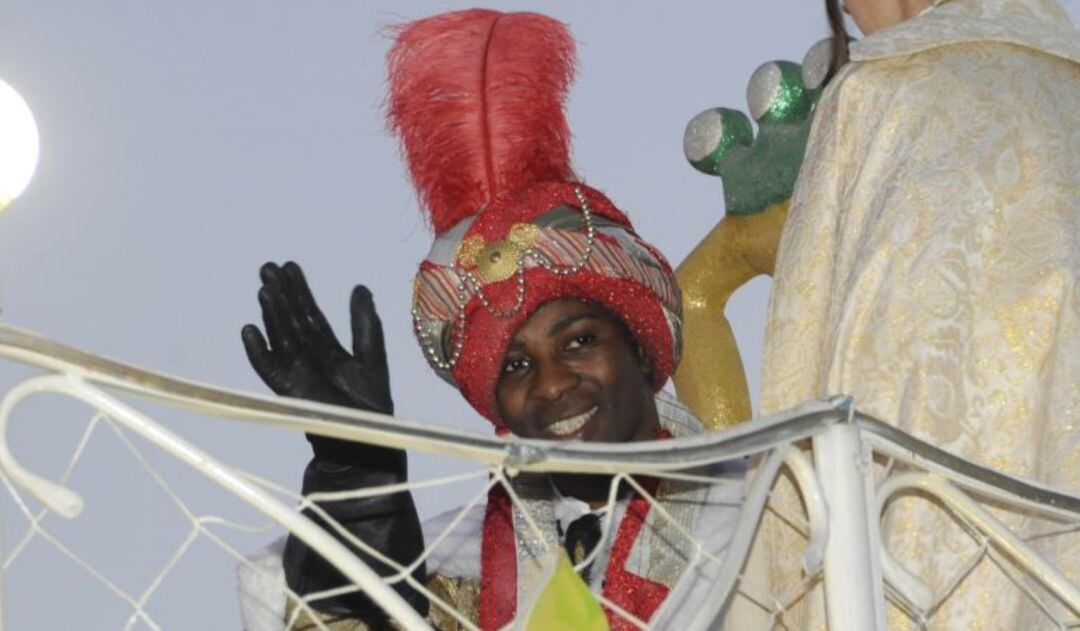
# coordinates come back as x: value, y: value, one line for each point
x: 760, y: 171
x: 477, y: 100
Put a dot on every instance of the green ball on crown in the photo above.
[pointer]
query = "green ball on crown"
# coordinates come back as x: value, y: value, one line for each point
x: 759, y: 172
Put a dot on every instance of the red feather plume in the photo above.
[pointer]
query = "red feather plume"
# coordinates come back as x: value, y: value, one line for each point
x: 476, y: 98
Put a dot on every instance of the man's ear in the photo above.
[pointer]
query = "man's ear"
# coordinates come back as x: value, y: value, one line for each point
x: 645, y: 363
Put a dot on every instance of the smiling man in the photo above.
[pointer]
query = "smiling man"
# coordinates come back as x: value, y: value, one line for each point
x: 540, y: 303
x: 573, y: 371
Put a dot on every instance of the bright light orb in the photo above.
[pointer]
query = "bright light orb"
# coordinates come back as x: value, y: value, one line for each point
x: 18, y: 145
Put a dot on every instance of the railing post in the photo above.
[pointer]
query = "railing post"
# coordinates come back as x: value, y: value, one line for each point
x: 854, y: 593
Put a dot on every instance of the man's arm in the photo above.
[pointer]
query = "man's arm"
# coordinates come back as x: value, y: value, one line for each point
x: 303, y: 359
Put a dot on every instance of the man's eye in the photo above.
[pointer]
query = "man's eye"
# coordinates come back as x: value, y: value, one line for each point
x: 580, y: 341
x: 515, y: 365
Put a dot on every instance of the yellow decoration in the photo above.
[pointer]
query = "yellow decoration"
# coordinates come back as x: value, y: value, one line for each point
x: 524, y: 235
x: 710, y: 378
x: 564, y: 601
x: 469, y: 250
x: 498, y: 261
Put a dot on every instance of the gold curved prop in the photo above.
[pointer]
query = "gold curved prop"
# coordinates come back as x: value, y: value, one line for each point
x: 710, y: 378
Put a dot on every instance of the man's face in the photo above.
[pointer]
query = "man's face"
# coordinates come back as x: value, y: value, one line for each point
x: 573, y: 372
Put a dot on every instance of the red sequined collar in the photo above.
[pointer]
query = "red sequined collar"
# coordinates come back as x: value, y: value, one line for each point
x: 634, y: 594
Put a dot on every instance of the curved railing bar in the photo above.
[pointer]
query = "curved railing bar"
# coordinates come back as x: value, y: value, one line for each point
x: 910, y: 592
x: 722, y: 588
x: 1016, y: 548
x: 775, y: 433
x: 68, y: 503
x: 338, y: 422
x: 648, y: 457
x: 817, y: 510
x: 888, y: 440
x: 57, y: 497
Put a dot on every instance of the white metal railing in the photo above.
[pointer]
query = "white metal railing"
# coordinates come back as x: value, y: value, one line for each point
x: 829, y: 448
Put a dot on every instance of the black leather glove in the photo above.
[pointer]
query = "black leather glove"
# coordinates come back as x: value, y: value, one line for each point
x: 305, y: 360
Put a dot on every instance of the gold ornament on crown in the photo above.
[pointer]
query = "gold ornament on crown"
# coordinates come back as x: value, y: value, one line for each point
x: 483, y: 263
x: 499, y: 260
x: 468, y: 251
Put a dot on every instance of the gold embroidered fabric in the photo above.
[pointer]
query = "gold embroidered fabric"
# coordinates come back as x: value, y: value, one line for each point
x: 305, y: 621
x: 930, y: 267
x: 461, y: 593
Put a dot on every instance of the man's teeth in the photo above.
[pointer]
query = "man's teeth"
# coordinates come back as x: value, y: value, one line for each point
x: 572, y: 424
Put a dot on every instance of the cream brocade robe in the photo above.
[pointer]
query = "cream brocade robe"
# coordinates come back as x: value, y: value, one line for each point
x: 930, y: 267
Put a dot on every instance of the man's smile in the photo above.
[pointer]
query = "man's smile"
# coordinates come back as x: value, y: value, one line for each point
x: 572, y: 426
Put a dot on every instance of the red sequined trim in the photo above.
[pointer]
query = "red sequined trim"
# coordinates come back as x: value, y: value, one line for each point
x: 498, y: 563
x: 635, y: 594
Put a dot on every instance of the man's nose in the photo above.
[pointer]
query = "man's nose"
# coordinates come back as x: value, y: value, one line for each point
x: 554, y: 379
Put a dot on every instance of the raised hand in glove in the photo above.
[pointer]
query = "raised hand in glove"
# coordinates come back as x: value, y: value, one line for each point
x: 305, y: 360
